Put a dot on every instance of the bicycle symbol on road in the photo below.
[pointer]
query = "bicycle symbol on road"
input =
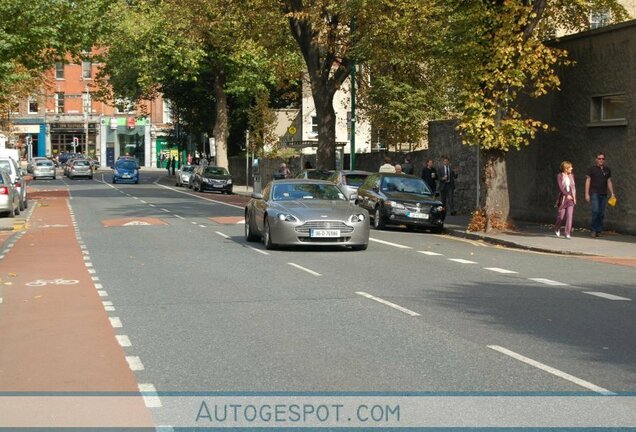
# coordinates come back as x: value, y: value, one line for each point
x: 43, y: 282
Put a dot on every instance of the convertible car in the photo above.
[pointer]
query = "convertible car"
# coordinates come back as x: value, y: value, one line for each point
x: 296, y: 212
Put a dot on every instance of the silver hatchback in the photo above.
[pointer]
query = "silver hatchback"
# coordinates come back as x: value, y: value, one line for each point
x: 9, y: 197
x: 43, y: 168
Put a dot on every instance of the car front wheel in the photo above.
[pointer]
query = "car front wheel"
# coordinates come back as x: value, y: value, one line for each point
x: 267, y: 236
x: 378, y: 223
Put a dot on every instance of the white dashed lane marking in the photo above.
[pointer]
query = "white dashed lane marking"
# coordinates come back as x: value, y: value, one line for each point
x: 429, y: 253
x: 149, y: 393
x: 387, y: 303
x: 115, y: 322
x: 311, y: 272
x: 219, y: 233
x: 135, y: 363
x: 123, y: 340
x: 390, y: 244
x: 500, y: 270
x: 548, y: 281
x: 585, y: 384
x: 461, y: 261
x: 607, y: 296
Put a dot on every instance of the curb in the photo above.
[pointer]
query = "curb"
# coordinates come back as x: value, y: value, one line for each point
x: 509, y: 244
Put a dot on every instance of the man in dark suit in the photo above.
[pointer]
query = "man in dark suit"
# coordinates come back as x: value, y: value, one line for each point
x: 447, y: 175
x: 429, y: 175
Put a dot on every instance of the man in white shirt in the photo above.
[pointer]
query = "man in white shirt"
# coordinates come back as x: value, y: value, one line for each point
x: 387, y: 167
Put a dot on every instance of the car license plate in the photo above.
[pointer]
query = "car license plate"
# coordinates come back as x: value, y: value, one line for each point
x: 217, y: 185
x: 417, y: 215
x: 324, y: 233
x: 126, y: 176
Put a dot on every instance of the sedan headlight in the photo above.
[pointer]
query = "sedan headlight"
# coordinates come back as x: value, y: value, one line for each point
x: 395, y: 204
x: 229, y: 181
x: 356, y: 218
x: 437, y: 209
x: 288, y: 218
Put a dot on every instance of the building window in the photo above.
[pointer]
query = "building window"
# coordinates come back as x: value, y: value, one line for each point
x: 167, y: 111
x: 33, y: 105
x: 609, y: 108
x: 599, y: 19
x: 124, y: 106
x: 59, y: 70
x: 86, y: 102
x: 314, y: 126
x: 87, y: 70
x: 59, y: 103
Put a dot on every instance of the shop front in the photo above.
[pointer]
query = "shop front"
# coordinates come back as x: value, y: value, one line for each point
x: 125, y: 136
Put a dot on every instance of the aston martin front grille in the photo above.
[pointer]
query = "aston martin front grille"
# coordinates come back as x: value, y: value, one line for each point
x: 309, y: 225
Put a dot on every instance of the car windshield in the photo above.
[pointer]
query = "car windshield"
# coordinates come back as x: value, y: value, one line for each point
x: 215, y: 171
x: 81, y: 163
x: 187, y: 168
x: 126, y: 164
x: 4, y: 164
x: 355, y: 179
x: 405, y: 184
x: 44, y: 163
x: 306, y: 191
x: 318, y: 175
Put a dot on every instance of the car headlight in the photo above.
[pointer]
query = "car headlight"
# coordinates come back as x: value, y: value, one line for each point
x: 356, y: 218
x: 288, y: 218
x: 229, y: 181
x: 438, y: 209
x: 394, y: 204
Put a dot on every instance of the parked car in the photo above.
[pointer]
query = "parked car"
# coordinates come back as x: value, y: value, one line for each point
x: 32, y: 163
x: 79, y: 168
x: 17, y: 178
x: 399, y: 199
x: 126, y: 171
x: 212, y: 178
x: 43, y: 168
x: 305, y: 212
x: 348, y: 180
x: 183, y: 175
x: 316, y: 174
x: 63, y: 157
x: 9, y: 196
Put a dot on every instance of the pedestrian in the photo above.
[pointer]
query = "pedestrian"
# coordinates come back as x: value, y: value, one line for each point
x: 447, y: 175
x: 407, y: 166
x: 398, y: 169
x: 162, y: 159
x: 566, y: 200
x: 429, y: 175
x: 168, y: 164
x: 598, y: 182
x: 283, y: 172
x: 173, y: 164
x: 387, y: 167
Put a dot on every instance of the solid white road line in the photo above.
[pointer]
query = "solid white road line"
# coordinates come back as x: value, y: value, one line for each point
x: 461, y: 261
x: 607, y: 296
x: 586, y: 384
x: 387, y: 303
x: 304, y: 269
x: 548, y: 282
x: 390, y: 244
x: 500, y: 270
x: 115, y: 322
x: 219, y: 233
x: 134, y: 363
x: 149, y: 393
x: 123, y: 340
x: 199, y: 197
x: 429, y: 253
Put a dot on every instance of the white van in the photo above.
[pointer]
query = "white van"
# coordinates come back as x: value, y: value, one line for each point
x: 17, y: 177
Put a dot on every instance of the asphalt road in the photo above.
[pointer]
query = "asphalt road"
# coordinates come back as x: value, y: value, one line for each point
x: 206, y: 311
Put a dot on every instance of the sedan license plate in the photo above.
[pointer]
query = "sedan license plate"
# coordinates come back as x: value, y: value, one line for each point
x: 324, y: 233
x: 417, y: 215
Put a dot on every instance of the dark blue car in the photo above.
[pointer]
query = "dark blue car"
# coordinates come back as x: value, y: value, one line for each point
x: 126, y: 171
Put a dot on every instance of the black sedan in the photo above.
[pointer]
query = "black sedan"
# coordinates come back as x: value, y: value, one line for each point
x: 212, y: 178
x: 398, y: 199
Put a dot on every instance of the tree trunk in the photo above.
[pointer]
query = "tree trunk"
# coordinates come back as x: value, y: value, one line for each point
x: 326, y: 153
x: 221, y: 127
x: 497, y: 198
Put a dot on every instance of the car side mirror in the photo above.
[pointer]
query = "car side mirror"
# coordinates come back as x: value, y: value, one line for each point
x: 353, y: 197
x: 257, y: 195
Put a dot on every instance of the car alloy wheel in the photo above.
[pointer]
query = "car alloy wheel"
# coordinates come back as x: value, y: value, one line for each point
x: 267, y: 236
x: 378, y: 223
x: 249, y: 234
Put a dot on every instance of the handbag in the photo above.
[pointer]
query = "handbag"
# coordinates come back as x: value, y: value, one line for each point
x: 612, y: 201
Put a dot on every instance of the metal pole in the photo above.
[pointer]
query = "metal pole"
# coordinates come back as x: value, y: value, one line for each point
x: 247, y: 159
x: 478, y: 183
x: 352, y: 156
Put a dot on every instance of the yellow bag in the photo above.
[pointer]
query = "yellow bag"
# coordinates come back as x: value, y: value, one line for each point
x: 612, y: 201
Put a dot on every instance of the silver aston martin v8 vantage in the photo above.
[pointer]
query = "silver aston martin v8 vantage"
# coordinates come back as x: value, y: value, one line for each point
x: 295, y: 212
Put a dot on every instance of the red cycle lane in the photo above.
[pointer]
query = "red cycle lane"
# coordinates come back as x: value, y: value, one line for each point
x: 55, y: 335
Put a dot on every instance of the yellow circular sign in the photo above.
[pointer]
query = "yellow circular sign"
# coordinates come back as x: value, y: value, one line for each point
x: 291, y: 130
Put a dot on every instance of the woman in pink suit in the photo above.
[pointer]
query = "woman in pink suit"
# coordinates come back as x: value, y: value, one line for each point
x: 566, y: 200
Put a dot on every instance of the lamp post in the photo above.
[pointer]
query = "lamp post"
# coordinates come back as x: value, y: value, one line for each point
x: 87, y: 109
x: 352, y: 156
